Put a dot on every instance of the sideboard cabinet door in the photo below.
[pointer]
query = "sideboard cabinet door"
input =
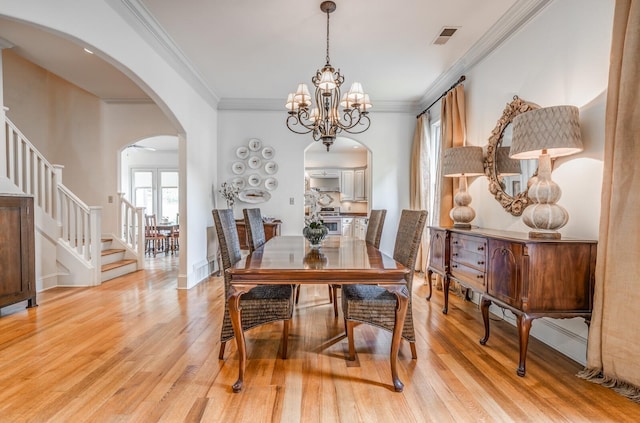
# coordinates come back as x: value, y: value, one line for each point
x: 505, y: 271
x: 17, y: 251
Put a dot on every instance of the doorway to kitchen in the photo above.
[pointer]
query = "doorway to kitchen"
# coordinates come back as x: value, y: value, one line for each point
x: 342, y: 176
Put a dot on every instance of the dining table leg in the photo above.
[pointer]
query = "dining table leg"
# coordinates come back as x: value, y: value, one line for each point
x: 402, y: 294
x: 235, y: 312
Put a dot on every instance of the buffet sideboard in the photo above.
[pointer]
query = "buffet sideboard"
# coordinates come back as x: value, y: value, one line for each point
x: 530, y: 277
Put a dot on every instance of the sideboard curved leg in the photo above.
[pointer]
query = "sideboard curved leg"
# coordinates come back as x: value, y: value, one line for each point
x: 485, y: 318
x: 445, y: 288
x: 429, y: 273
x: 524, y: 326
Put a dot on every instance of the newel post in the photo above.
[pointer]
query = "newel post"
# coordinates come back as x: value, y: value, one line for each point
x: 56, y: 181
x: 140, y: 244
x: 95, y: 236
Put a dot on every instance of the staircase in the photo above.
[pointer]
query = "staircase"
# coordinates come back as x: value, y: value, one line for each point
x: 114, y: 263
x: 66, y: 227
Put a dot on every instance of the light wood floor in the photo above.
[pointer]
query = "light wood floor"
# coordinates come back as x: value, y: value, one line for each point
x: 136, y: 349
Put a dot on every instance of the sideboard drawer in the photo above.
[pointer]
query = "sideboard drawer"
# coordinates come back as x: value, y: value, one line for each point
x: 467, y: 275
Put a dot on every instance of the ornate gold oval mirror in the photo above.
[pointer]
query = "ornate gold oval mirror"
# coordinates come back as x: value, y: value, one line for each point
x: 507, y: 177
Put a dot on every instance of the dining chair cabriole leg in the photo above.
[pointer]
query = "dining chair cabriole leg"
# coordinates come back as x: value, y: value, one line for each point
x: 221, y: 353
x: 334, y: 289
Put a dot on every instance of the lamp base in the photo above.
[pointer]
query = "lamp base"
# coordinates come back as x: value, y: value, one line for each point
x: 462, y: 225
x: 544, y: 235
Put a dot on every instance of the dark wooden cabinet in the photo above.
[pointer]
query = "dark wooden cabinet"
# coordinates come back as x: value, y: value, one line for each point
x: 17, y: 251
x: 531, y: 277
x: 271, y: 229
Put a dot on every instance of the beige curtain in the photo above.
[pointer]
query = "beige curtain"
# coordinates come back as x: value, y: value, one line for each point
x: 453, y: 124
x: 613, y: 357
x: 419, y: 182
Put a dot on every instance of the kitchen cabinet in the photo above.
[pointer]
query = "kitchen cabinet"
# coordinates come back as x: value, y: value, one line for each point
x: 360, y: 185
x: 17, y: 251
x: 346, y: 186
x: 347, y: 226
x: 532, y: 278
x: 360, y: 227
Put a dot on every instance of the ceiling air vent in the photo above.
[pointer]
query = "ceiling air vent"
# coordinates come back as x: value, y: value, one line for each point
x: 445, y: 34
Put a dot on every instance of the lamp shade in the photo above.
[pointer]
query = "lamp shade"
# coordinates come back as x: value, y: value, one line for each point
x: 505, y: 165
x: 463, y: 161
x: 554, y: 129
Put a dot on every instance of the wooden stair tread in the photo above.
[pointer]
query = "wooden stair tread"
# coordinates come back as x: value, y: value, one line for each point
x: 115, y: 265
x: 112, y: 251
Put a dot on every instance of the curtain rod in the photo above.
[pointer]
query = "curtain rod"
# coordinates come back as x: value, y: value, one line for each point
x: 458, y: 82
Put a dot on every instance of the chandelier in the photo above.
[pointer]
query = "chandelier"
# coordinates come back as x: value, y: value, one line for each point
x: 331, y: 113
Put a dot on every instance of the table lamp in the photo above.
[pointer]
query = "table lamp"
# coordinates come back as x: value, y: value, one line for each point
x: 505, y: 165
x: 462, y: 162
x: 542, y: 134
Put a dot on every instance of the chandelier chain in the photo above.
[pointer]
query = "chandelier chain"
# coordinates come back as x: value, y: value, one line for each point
x: 328, y: 36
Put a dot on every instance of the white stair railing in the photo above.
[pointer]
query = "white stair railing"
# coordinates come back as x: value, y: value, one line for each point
x: 80, y: 224
x: 30, y: 171
x: 131, y: 224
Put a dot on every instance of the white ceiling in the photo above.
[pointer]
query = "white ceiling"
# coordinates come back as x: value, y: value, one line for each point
x: 243, y: 50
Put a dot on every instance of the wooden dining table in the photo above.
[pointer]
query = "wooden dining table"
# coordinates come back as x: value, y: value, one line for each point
x: 284, y: 260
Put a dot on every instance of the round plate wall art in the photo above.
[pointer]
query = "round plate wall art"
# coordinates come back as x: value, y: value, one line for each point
x: 254, y: 162
x: 238, y: 168
x: 238, y: 182
x: 253, y: 195
x: 271, y: 183
x: 271, y: 167
x: 242, y: 152
x: 254, y: 180
x: 268, y: 153
x: 255, y: 144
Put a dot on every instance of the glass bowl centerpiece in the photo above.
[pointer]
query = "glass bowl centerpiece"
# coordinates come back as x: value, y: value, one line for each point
x: 314, y: 229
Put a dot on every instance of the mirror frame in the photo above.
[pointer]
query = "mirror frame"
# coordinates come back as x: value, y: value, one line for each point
x: 513, y: 205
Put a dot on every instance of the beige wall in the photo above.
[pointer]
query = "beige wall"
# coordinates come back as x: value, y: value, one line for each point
x: 74, y: 128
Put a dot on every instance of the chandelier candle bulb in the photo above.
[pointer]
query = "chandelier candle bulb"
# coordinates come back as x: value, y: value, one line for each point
x: 324, y: 121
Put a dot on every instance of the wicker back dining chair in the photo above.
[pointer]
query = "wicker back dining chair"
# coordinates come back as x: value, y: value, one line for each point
x: 264, y: 303
x: 376, y: 306
x: 255, y: 228
x: 373, y: 236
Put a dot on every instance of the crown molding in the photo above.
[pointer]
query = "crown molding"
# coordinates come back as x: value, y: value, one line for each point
x: 143, y: 22
x: 514, y: 19
x: 277, y: 105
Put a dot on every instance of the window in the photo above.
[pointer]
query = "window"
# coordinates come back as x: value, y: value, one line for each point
x: 157, y: 191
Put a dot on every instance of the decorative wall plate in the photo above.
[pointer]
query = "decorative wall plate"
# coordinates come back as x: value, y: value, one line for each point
x: 271, y: 167
x: 242, y: 152
x: 238, y: 168
x: 238, y: 182
x: 255, y: 144
x: 254, y: 180
x: 271, y: 183
x: 268, y: 153
x: 254, y: 162
x: 254, y: 195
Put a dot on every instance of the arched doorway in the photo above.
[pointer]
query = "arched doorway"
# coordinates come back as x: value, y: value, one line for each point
x: 342, y: 174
